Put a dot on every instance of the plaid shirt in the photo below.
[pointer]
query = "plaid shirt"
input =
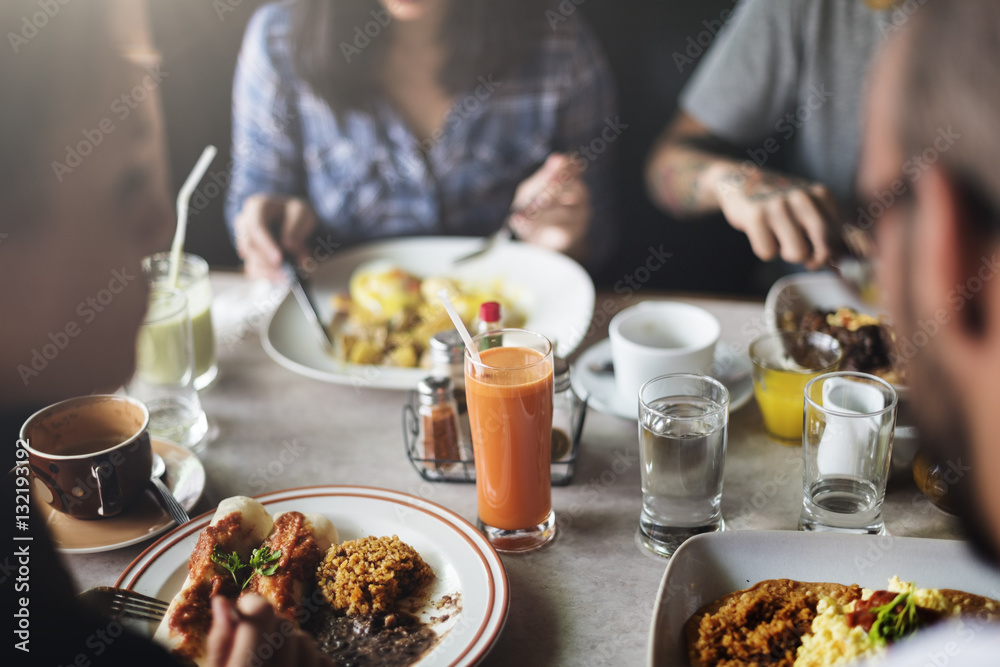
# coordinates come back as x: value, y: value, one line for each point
x: 367, y: 176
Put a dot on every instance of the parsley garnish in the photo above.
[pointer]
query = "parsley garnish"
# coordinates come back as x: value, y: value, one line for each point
x: 892, y: 623
x: 263, y: 561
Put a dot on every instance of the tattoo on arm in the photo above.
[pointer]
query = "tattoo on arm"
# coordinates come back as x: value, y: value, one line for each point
x: 760, y: 185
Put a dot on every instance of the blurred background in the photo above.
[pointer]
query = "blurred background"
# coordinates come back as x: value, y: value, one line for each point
x: 653, y: 47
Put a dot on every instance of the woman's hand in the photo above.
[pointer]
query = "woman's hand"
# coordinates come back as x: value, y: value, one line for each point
x: 255, y: 636
x: 779, y: 214
x: 265, y: 218
x: 554, y: 206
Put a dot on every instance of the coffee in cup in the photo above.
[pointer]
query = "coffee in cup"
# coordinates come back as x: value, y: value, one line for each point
x: 90, y: 457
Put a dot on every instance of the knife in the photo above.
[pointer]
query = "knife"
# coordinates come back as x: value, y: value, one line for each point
x: 302, y: 290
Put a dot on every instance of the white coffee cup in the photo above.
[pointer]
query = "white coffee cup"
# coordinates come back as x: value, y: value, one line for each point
x: 656, y: 338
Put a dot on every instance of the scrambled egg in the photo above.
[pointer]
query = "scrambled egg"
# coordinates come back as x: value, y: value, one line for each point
x: 389, y: 316
x: 833, y: 642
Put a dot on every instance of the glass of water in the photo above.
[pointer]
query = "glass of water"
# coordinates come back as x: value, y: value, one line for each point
x: 683, y: 420
x: 846, y: 450
x: 165, y: 370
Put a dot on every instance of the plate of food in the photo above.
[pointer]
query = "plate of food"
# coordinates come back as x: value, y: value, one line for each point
x: 822, y: 302
x: 368, y: 572
x: 379, y: 302
x: 809, y: 598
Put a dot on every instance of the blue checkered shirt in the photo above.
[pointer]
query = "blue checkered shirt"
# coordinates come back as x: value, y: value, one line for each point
x: 367, y: 176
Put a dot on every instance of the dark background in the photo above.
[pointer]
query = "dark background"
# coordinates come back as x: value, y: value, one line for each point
x: 640, y: 37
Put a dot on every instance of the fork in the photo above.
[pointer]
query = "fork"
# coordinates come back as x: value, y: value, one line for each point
x: 122, y: 602
x: 503, y: 233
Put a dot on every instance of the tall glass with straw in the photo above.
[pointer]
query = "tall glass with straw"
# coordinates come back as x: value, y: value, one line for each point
x: 508, y: 384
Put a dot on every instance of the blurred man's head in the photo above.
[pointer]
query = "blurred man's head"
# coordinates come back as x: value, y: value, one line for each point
x: 931, y: 160
x: 82, y: 199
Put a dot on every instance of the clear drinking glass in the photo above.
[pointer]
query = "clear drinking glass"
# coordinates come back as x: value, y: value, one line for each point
x: 783, y: 362
x: 683, y: 421
x: 164, y: 376
x: 846, y: 449
x: 510, y: 411
x: 193, y: 279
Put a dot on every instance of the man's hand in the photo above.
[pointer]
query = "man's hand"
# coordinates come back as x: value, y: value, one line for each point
x: 554, y: 206
x: 255, y: 636
x: 780, y: 215
x: 265, y: 218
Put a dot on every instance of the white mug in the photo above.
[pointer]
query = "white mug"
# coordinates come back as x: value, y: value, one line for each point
x: 656, y: 338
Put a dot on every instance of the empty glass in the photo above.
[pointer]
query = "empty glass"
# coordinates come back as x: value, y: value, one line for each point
x: 846, y: 447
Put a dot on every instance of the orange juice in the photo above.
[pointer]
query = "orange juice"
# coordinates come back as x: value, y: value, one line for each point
x: 780, y: 397
x: 510, y: 411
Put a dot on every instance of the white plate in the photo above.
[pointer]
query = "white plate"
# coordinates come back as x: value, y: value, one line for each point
x: 708, y: 566
x: 464, y: 562
x: 142, y: 521
x: 602, y: 392
x: 555, y: 293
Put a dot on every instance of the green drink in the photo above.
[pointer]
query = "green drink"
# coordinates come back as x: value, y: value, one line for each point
x: 163, y: 353
x: 193, y: 280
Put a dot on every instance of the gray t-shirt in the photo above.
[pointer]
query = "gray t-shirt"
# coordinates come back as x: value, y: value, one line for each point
x: 795, y: 71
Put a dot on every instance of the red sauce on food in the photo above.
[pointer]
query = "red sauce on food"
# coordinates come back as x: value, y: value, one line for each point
x: 864, y: 616
x: 192, y: 618
x: 300, y: 556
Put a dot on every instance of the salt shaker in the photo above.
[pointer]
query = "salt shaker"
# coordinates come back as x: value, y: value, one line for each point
x: 566, y: 412
x: 447, y: 351
x: 437, y: 413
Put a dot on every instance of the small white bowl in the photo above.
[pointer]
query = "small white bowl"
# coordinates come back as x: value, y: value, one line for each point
x: 656, y: 338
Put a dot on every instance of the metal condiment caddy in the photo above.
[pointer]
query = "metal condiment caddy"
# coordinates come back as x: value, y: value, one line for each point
x: 437, y: 459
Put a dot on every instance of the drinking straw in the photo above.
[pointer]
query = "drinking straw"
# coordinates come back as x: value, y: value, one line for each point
x: 459, y: 325
x: 183, y: 197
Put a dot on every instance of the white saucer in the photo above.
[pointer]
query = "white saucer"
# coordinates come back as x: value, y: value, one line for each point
x: 602, y: 394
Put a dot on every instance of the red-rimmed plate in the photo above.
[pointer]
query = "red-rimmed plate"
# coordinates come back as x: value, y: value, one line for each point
x: 464, y: 562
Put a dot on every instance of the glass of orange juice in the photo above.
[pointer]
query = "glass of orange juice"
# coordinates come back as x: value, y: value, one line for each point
x: 509, y: 393
x: 783, y: 362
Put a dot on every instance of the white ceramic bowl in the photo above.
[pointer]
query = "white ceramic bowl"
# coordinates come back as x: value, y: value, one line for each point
x: 655, y: 338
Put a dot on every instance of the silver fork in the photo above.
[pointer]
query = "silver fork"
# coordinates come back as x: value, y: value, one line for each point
x: 122, y: 602
x: 504, y: 233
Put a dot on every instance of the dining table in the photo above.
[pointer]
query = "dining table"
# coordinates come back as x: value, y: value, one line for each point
x: 589, y: 596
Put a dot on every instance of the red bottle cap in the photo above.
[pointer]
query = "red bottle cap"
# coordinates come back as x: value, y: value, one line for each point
x: 489, y: 312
